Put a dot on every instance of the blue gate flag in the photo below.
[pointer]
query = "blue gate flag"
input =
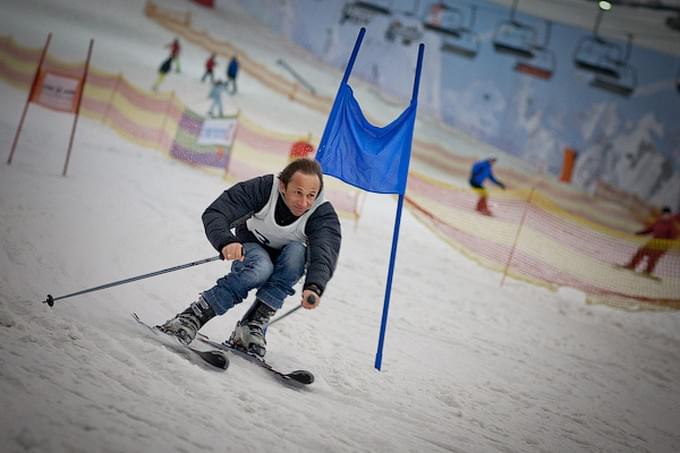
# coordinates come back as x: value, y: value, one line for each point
x: 372, y: 158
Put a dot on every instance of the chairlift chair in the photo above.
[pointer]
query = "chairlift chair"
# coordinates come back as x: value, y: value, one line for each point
x: 625, y: 81
x: 457, y: 38
x: 543, y: 62
x: 513, y: 37
x: 596, y: 55
x: 623, y: 85
x: 360, y: 12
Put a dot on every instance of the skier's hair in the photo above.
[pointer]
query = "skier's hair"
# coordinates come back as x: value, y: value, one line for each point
x: 666, y: 210
x: 304, y: 165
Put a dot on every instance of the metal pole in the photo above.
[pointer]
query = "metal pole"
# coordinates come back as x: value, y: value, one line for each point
x: 51, y: 300
x: 28, y: 100
x: 519, y: 230
x: 395, y: 234
x: 80, y: 101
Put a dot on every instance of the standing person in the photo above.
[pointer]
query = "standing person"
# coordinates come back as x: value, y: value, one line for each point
x: 283, y: 226
x: 210, y: 64
x: 663, y: 231
x: 175, y: 49
x: 481, y: 171
x: 232, y: 73
x: 162, y: 72
x: 216, y: 96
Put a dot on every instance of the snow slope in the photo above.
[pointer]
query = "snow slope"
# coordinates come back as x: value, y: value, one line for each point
x: 469, y: 366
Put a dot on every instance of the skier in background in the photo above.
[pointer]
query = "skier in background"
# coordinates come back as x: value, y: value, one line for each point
x: 210, y: 64
x: 232, y: 73
x: 481, y: 171
x: 664, y: 231
x: 216, y: 96
x: 162, y: 72
x: 283, y: 226
x: 175, y: 49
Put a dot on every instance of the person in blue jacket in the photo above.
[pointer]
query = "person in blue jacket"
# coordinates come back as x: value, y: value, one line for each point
x: 481, y: 171
x: 274, y: 229
x: 232, y: 73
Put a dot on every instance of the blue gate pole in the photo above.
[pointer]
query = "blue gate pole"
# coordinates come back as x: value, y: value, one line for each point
x: 355, y: 51
x: 395, y: 234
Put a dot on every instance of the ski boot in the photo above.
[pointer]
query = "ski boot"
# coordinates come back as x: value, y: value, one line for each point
x: 185, y: 325
x: 249, y: 332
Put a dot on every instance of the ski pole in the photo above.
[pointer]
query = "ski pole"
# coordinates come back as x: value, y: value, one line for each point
x: 51, y: 300
x: 310, y: 299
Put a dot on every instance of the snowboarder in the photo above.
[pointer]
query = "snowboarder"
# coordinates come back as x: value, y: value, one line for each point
x: 232, y: 73
x: 216, y: 96
x: 663, y: 231
x: 175, y: 49
x: 283, y: 226
x: 162, y: 72
x: 210, y: 64
x: 481, y: 170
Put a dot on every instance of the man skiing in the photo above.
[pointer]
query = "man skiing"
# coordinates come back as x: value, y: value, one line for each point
x: 664, y: 232
x: 481, y: 171
x: 283, y: 226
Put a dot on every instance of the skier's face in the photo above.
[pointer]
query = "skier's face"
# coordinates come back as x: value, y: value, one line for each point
x: 300, y: 193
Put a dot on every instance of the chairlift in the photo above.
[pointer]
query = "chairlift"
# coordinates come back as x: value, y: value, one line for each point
x: 406, y: 32
x: 597, y: 55
x: 360, y: 12
x: 447, y: 21
x: 624, y: 81
x: 624, y: 84
x: 513, y: 37
x: 542, y: 64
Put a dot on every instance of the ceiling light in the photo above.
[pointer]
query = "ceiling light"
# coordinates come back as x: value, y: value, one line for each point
x: 605, y: 6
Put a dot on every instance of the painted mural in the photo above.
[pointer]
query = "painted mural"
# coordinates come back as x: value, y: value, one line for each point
x: 518, y: 82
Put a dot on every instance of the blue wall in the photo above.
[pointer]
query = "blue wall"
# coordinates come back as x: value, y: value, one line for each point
x: 631, y: 142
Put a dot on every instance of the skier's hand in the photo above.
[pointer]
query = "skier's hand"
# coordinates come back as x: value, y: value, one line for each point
x: 233, y: 251
x: 310, y: 299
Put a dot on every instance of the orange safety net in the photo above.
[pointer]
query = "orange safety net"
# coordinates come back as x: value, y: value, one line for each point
x: 161, y: 121
x: 531, y: 238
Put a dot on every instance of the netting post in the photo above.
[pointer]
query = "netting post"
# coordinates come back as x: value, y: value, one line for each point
x: 165, y: 119
x: 519, y: 230
x: 80, y: 101
x: 113, y: 94
x: 28, y: 99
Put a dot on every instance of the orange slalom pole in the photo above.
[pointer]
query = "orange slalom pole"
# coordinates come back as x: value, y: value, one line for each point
x: 28, y: 99
x: 80, y: 101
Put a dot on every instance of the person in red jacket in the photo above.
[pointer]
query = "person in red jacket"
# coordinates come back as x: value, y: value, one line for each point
x: 210, y: 64
x: 663, y: 231
x: 175, y: 49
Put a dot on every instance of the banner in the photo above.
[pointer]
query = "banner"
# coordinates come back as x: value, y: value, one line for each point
x: 57, y: 91
x: 217, y: 132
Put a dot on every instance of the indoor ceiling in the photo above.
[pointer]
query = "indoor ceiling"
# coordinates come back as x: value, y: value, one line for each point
x: 645, y: 19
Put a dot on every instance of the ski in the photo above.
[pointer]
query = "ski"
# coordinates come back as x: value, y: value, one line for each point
x: 216, y: 359
x: 303, y: 377
x: 639, y: 274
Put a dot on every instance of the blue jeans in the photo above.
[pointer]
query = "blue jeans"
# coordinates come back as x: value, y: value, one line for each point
x: 274, y: 280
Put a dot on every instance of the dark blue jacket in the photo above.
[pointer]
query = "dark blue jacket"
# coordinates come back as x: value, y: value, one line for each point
x: 238, y: 203
x: 481, y: 171
x: 232, y: 69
